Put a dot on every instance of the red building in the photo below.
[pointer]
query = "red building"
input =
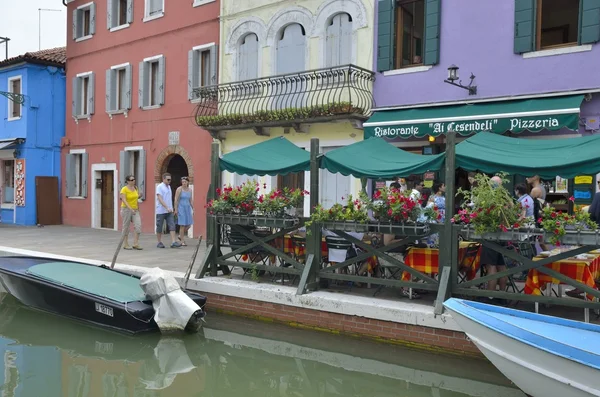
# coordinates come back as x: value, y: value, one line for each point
x: 131, y: 72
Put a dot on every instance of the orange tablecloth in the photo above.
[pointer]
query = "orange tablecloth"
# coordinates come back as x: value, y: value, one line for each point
x: 582, y: 270
x: 426, y: 260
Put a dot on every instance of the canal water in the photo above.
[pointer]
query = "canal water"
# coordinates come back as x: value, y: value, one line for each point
x: 46, y: 355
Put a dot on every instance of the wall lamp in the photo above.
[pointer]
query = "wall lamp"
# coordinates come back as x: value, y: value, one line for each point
x: 453, y: 76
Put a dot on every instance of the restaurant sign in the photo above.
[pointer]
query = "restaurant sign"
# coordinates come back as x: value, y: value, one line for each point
x: 405, y: 129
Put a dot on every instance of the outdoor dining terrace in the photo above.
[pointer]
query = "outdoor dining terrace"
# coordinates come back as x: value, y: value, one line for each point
x: 277, y: 246
x: 288, y: 100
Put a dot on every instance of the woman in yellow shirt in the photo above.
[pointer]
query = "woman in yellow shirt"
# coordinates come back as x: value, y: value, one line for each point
x: 130, y: 212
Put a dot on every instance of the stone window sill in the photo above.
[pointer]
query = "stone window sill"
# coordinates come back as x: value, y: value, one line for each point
x: 198, y: 3
x: 8, y: 206
x: 414, y: 69
x: 557, y: 51
x: 83, y: 38
x: 120, y: 27
x: 153, y: 17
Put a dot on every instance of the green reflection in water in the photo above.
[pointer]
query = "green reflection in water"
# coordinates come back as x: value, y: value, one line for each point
x: 46, y: 355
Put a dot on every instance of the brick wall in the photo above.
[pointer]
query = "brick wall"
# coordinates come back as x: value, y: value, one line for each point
x: 387, y: 331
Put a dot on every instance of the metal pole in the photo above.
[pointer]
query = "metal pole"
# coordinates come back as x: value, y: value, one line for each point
x: 40, y: 24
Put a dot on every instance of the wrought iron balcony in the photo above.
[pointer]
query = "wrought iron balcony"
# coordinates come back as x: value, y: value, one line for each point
x: 321, y: 95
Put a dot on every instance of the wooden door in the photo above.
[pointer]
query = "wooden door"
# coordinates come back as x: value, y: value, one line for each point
x: 47, y: 200
x: 107, y: 200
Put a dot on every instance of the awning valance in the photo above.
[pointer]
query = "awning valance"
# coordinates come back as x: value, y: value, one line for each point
x: 4, y: 143
x: 550, y: 113
x: 375, y: 158
x: 277, y: 156
x: 547, y: 158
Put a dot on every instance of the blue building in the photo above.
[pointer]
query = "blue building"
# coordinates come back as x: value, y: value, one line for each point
x: 32, y: 125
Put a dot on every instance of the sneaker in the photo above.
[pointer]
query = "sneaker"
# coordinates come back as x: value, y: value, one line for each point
x: 126, y: 247
x: 160, y: 245
x: 137, y: 247
x: 175, y: 245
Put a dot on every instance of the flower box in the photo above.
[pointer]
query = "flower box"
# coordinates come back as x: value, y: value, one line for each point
x: 571, y: 237
x: 403, y: 229
x: 255, y: 220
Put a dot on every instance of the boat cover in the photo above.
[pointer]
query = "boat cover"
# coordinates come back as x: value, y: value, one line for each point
x: 173, y: 308
x: 93, y: 280
x: 172, y: 359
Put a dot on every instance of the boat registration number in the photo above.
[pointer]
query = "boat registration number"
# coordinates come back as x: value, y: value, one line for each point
x: 104, y: 310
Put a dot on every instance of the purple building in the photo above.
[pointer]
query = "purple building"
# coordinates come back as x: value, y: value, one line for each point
x: 536, y: 65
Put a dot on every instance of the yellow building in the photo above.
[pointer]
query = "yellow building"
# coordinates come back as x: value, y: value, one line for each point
x: 301, y: 69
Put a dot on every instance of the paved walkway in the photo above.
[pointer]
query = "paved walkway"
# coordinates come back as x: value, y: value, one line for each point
x: 99, y: 244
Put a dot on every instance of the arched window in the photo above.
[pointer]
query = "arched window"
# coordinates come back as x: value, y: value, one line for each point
x: 291, y: 49
x: 248, y: 57
x: 338, y: 47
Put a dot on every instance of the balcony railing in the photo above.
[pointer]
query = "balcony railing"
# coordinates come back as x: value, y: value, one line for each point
x: 287, y: 100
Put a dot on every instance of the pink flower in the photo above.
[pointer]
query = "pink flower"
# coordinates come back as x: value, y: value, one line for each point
x: 572, y: 199
x: 503, y: 228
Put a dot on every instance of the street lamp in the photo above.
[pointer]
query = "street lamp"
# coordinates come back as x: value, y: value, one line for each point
x: 40, y: 24
x: 453, y: 76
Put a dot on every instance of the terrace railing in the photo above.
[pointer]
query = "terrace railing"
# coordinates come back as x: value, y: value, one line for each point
x: 288, y: 99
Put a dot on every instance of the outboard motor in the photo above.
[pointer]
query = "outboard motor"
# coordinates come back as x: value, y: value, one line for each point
x: 174, y: 310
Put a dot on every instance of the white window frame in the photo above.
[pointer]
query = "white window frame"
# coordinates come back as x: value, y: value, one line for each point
x: 11, y: 104
x: 82, y: 8
x: 78, y: 173
x: 148, y: 17
x: 198, y: 3
x: 87, y: 115
x: 198, y: 50
x: 116, y: 69
x: 123, y: 25
x: 148, y: 80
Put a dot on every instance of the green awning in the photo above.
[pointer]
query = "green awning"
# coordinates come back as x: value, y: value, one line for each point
x: 375, y: 158
x: 277, y: 156
x: 547, y: 158
x: 552, y: 113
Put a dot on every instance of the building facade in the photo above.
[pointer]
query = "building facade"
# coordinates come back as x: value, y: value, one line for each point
x: 529, y: 49
x: 295, y: 69
x: 131, y: 66
x: 32, y: 92
x: 528, y: 71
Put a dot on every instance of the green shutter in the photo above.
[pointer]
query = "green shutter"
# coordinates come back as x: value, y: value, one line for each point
x: 589, y: 21
x: 432, y: 32
x: 524, y: 26
x: 386, y: 21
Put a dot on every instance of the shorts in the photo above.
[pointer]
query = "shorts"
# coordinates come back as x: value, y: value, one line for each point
x: 136, y: 219
x: 491, y: 257
x: 161, y: 218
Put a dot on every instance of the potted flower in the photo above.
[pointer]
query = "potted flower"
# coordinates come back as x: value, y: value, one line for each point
x: 395, y: 206
x: 556, y: 223
x: 490, y: 209
x: 353, y: 212
x: 240, y: 200
x: 278, y: 201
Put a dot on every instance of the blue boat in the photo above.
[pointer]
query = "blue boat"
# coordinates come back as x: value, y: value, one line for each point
x: 542, y: 355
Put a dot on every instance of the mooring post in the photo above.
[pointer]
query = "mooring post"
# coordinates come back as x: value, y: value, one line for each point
x: 447, y: 251
x: 313, y: 241
x: 213, y: 229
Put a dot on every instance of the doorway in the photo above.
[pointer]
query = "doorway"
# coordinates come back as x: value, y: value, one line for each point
x: 47, y: 200
x: 177, y: 167
x: 107, y: 202
x: 294, y: 180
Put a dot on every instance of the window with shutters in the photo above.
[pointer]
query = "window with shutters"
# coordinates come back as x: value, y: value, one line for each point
x: 76, y: 173
x: 410, y: 27
x: 152, y: 82
x: 133, y: 162
x: 154, y: 9
x: 408, y: 33
x: 118, y: 89
x: 14, y: 108
x: 202, y: 68
x: 8, y: 181
x: 83, y: 95
x: 338, y: 42
x: 248, y: 58
x: 84, y: 22
x: 119, y: 14
x: 557, y: 23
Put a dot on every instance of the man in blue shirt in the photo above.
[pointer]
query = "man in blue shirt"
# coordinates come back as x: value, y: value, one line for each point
x: 164, y: 211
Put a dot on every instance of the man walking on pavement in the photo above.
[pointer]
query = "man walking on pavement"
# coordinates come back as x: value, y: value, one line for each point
x: 164, y: 211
